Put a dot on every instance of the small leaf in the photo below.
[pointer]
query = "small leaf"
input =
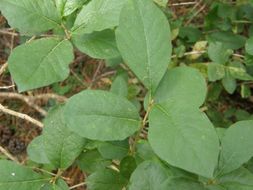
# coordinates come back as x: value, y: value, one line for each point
x: 67, y: 7
x: 215, y: 72
x: 229, y: 83
x: 234, y: 154
x: 14, y: 176
x: 100, y: 45
x: 59, y: 185
x: 143, y: 38
x: 106, y: 179
x: 29, y: 16
x: 218, y: 53
x: 61, y: 145
x: 120, y: 85
x: 98, y: 15
x: 114, y: 149
x: 36, y: 151
x: 101, y: 115
x: 92, y: 161
x: 48, y: 63
x: 149, y: 176
x: 249, y: 46
x: 127, y: 166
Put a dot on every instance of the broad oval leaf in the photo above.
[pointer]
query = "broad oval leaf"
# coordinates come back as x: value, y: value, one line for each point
x: 14, y: 176
x: 100, y: 45
x: 184, y: 137
x: 98, y: 15
x: 29, y: 16
x: 36, y: 151
x: 101, y: 115
x: 40, y: 63
x: 143, y: 39
x: 183, y: 84
x: 234, y: 154
x: 149, y: 175
x: 62, y: 146
x: 106, y: 179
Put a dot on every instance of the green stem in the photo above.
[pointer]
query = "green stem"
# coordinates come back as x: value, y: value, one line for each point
x: 143, y: 124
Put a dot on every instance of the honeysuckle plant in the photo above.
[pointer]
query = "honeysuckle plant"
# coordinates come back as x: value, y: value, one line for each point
x: 100, y: 131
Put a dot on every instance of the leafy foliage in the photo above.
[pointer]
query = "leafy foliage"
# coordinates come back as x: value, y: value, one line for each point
x: 155, y: 128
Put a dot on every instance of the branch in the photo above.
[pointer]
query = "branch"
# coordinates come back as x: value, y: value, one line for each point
x: 78, y: 185
x: 21, y: 116
x: 2, y: 69
x: 8, y: 155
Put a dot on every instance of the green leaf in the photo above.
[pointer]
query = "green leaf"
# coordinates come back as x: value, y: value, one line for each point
x: 59, y: 185
x: 161, y: 3
x: 215, y: 71
x: 29, y: 16
x: 184, y: 137
x: 249, y: 46
x: 67, y: 7
x: 114, y: 149
x: 229, y: 83
x: 149, y: 176
x: 127, y: 166
x: 184, y: 84
x: 179, y: 133
x: 234, y: 154
x: 48, y: 63
x: 241, y: 176
x: 98, y: 15
x: 14, y: 176
x: 61, y: 145
x: 218, y: 53
x: 229, y: 40
x: 106, y: 179
x: 36, y: 151
x: 184, y: 183
x: 101, y: 115
x: 92, y: 161
x: 143, y: 38
x: 120, y: 85
x: 238, y: 73
x: 100, y: 45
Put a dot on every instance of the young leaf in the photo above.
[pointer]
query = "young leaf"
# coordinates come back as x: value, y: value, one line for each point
x: 100, y: 45
x: 114, y: 149
x: 29, y: 16
x: 40, y: 63
x: 249, y: 46
x: 61, y: 145
x: 215, y: 71
x: 14, y: 176
x: 92, y: 161
x: 36, y: 151
x: 106, y: 179
x: 101, y: 115
x: 229, y: 83
x: 98, y: 15
x: 59, y: 185
x: 218, y: 53
x: 120, y: 85
x: 184, y: 137
x: 149, y: 175
x: 184, y: 84
x: 143, y: 38
x: 67, y: 7
x: 234, y: 154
